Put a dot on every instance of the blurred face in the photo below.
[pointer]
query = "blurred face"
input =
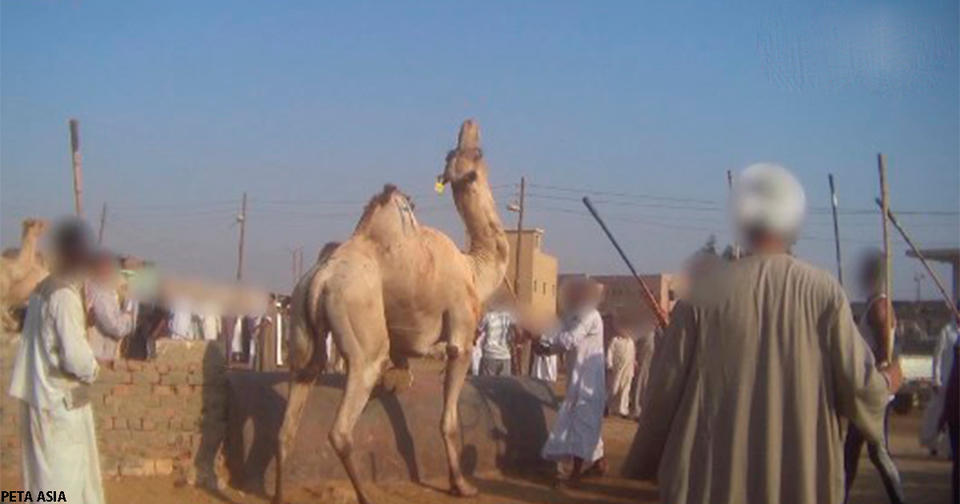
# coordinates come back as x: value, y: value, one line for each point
x: 104, y: 268
x: 871, y: 273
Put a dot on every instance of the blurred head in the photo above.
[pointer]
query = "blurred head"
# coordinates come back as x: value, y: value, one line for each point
x: 769, y: 205
x: 104, y: 265
x: 73, y: 244
x: 870, y: 273
x: 582, y: 293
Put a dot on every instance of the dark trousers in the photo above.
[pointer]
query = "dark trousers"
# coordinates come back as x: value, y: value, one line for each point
x: 954, y: 431
x: 494, y: 367
x: 879, y: 455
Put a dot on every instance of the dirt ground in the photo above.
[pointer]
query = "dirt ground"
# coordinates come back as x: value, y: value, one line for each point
x: 926, y: 480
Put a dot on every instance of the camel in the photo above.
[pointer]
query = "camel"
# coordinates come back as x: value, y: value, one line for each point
x: 393, y: 291
x: 20, y: 272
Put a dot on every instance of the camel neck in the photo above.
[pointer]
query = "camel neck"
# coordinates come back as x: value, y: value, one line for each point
x: 488, y: 246
x: 28, y: 247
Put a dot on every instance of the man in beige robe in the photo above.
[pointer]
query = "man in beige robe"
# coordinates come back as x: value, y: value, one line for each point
x: 51, y: 374
x: 759, y: 371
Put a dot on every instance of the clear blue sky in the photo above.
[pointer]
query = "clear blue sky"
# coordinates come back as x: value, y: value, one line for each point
x: 310, y: 107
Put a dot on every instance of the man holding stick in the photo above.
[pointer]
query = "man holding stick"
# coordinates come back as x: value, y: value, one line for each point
x: 876, y: 327
x: 759, y: 371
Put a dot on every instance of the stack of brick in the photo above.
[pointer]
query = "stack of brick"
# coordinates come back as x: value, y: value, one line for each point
x: 166, y: 416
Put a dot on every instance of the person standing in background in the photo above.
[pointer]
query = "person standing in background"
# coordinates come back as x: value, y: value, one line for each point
x: 873, y: 325
x: 111, y: 322
x: 621, y: 363
x: 51, y: 375
x: 496, y: 338
x: 931, y: 431
x: 181, y: 319
x: 544, y: 367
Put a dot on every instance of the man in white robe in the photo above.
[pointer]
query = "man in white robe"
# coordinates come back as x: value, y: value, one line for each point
x: 576, y: 430
x: 759, y: 372
x: 51, y: 373
x: 544, y: 367
x: 931, y: 433
x: 621, y: 361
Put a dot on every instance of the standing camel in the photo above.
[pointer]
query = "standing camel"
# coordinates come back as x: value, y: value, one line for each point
x: 20, y: 272
x: 392, y: 291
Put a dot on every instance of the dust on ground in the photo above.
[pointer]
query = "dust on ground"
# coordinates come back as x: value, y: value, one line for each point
x: 926, y: 481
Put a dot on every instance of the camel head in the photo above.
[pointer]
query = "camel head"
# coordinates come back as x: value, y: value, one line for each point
x: 34, y: 228
x: 465, y: 163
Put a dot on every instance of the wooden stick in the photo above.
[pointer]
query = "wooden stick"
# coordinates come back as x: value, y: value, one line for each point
x: 923, y: 260
x: 243, y: 227
x: 887, y: 260
x: 516, y: 264
x: 647, y: 295
x: 103, y: 223
x: 836, y: 228
x: 77, y: 163
x: 736, y: 242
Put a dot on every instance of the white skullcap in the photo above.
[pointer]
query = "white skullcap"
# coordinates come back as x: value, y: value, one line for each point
x: 768, y: 197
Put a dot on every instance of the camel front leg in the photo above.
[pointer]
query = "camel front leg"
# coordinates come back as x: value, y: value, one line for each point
x: 458, y: 362
x: 362, y: 375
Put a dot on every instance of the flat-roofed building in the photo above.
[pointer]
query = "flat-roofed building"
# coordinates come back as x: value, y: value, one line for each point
x: 537, y: 284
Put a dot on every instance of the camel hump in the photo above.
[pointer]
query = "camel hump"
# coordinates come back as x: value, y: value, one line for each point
x: 388, y: 213
x: 469, y: 135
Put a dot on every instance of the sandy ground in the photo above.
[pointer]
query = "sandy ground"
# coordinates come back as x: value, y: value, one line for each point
x: 927, y: 481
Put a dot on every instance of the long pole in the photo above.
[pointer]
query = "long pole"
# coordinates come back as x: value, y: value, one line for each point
x: 836, y: 228
x: 103, y: 223
x: 923, y: 260
x: 243, y: 226
x: 77, y: 162
x: 516, y: 263
x: 736, y: 243
x: 293, y: 266
x: 887, y: 259
x: 647, y: 295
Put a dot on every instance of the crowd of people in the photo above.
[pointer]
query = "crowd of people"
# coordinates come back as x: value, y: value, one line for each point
x: 762, y: 388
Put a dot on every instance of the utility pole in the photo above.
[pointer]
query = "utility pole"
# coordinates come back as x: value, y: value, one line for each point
x: 103, y: 223
x: 242, y: 219
x: 516, y: 264
x: 887, y: 260
x: 836, y: 227
x: 77, y: 162
x: 918, y: 280
x: 736, y: 242
x: 293, y: 266
x: 299, y: 262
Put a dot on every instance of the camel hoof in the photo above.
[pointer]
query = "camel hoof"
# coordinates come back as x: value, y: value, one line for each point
x: 463, y: 489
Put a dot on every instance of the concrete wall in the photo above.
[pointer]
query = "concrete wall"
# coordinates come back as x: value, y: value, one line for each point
x: 160, y: 417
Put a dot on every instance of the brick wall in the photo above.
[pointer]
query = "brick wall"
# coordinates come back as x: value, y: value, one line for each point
x: 161, y: 417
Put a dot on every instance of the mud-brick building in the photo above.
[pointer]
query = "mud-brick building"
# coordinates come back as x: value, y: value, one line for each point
x: 537, y: 285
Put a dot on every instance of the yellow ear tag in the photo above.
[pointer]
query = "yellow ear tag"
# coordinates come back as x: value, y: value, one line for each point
x: 438, y: 186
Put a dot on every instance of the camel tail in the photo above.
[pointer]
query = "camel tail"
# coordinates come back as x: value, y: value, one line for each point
x: 308, y: 356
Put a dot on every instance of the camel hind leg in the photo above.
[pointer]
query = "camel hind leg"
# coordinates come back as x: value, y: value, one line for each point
x: 364, y: 348
x: 296, y: 400
x: 307, y: 360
